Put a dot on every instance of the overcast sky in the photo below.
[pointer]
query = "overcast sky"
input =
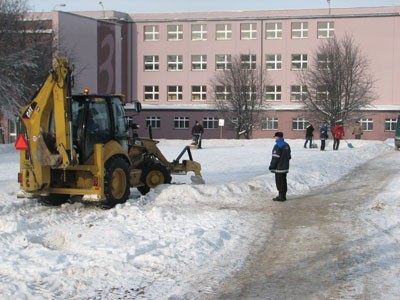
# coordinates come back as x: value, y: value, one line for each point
x: 139, y: 6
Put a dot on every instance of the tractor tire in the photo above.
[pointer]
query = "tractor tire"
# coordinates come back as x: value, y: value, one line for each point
x: 116, y: 182
x: 54, y: 199
x: 152, y: 176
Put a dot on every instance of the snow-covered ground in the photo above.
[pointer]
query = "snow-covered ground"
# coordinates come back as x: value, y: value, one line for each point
x: 177, y: 242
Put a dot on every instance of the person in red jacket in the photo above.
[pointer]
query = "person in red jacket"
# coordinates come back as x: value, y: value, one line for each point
x: 338, y: 134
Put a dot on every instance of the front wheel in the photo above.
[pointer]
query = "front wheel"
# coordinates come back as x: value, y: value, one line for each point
x: 116, y: 182
x: 152, y: 176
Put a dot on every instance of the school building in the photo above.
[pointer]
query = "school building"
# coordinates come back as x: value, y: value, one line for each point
x: 166, y: 61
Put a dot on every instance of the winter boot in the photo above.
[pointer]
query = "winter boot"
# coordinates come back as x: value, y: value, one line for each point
x: 281, y: 197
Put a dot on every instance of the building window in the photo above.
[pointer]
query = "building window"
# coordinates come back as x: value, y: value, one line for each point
x: 223, y: 32
x: 298, y: 92
x: 273, y: 31
x: 299, y: 61
x: 210, y: 122
x: 222, y: 93
x: 153, y: 122
x: 181, y: 122
x: 175, y: 32
x: 273, y: 61
x: 151, y: 63
x: 248, y: 31
x: 273, y: 93
x: 199, y: 92
x: 367, y: 124
x: 223, y: 62
x: 199, y: 62
x: 324, y: 61
x: 299, y: 30
x: 269, y: 123
x: 250, y: 93
x: 175, y: 92
x: 390, y: 124
x: 322, y: 93
x: 299, y: 123
x: 175, y: 62
x: 248, y: 61
x: 199, y: 32
x: 151, y: 33
x: 326, y: 30
x: 151, y: 93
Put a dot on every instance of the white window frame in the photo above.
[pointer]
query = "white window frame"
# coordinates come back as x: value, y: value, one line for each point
x: 175, y: 32
x: 199, y: 92
x: 299, y: 30
x: 210, y: 122
x: 248, y: 61
x: 151, y: 33
x: 390, y: 124
x: 174, y: 63
x: 298, y: 93
x: 154, y: 122
x: 248, y: 31
x: 270, y: 123
x: 181, y: 122
x: 323, y: 62
x: 273, y: 93
x: 199, y: 32
x: 223, y: 32
x: 299, y: 123
x: 199, y: 62
x: 299, y: 63
x: 273, y: 61
x: 222, y: 93
x: 175, y: 92
x: 273, y: 31
x: 151, y: 63
x: 367, y: 124
x: 326, y: 29
x: 223, y: 61
x: 151, y: 92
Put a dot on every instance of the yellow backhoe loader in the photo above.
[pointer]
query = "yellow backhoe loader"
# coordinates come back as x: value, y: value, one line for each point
x: 80, y: 147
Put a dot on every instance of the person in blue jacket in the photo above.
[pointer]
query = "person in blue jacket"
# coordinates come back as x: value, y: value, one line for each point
x: 279, y: 165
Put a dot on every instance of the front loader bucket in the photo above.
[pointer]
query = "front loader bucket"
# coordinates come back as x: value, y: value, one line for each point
x: 197, y: 179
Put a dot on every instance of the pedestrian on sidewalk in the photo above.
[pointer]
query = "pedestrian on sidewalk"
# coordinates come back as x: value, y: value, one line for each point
x: 323, y: 135
x: 309, y: 135
x: 279, y: 165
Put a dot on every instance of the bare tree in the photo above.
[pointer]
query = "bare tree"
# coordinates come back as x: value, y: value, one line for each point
x: 26, y: 48
x: 238, y: 91
x: 337, y: 82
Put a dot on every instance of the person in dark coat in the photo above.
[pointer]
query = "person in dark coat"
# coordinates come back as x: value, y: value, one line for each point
x: 309, y: 135
x: 281, y: 155
x: 197, y: 132
x: 323, y: 135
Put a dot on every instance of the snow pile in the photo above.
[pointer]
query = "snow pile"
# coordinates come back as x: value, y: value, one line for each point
x: 177, y: 242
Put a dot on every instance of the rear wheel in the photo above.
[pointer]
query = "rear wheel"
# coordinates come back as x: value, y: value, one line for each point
x: 54, y: 199
x: 116, y: 182
x: 152, y: 176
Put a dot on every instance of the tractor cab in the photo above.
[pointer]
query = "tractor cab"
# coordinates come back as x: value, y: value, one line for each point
x: 97, y: 119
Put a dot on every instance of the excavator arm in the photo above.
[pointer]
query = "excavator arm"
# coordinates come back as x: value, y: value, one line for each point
x: 48, y: 128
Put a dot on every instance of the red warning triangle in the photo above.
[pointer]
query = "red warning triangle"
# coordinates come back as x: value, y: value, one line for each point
x: 21, y: 143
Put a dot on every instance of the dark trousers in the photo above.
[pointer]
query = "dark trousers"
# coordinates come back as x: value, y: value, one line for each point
x: 322, y: 144
x: 336, y: 143
x: 281, y: 183
x: 308, y: 139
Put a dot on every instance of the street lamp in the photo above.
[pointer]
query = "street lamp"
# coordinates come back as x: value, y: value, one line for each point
x: 102, y: 6
x: 59, y: 5
x: 329, y: 6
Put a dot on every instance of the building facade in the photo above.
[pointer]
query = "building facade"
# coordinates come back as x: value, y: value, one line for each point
x: 167, y: 62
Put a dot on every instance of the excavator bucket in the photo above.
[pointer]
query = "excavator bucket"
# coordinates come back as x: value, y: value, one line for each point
x: 197, y: 179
